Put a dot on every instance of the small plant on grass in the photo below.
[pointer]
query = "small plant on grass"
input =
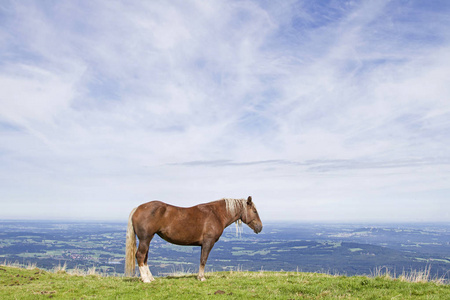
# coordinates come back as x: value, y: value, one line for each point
x: 60, y: 269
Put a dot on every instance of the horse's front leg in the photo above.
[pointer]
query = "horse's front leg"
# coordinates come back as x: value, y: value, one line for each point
x: 206, y: 248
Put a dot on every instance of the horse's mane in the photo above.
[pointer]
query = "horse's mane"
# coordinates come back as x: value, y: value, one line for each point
x: 232, y: 207
x: 235, y: 205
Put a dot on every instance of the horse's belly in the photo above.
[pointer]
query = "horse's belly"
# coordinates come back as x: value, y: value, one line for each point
x: 180, y: 236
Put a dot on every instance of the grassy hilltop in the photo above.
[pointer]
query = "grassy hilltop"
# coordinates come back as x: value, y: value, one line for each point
x: 33, y: 283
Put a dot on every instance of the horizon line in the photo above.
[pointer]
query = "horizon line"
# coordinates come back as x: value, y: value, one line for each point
x: 331, y: 222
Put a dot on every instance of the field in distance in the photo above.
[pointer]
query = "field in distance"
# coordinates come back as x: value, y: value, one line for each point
x: 348, y: 249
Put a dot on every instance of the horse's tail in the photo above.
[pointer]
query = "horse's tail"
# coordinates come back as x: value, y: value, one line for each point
x: 130, y: 248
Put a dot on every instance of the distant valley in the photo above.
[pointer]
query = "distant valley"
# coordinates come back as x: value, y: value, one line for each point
x: 347, y: 249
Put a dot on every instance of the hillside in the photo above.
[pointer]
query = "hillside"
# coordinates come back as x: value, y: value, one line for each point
x: 18, y: 283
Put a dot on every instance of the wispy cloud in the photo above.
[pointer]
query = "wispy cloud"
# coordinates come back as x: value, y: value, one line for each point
x: 323, y: 165
x: 315, y: 104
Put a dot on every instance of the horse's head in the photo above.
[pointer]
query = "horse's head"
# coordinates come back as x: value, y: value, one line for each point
x: 251, y: 217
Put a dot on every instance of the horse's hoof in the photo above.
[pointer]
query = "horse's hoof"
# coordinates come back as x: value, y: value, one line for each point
x: 202, y: 278
x: 146, y: 280
x: 152, y: 279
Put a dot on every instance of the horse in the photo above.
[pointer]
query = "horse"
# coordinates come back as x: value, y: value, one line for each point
x: 200, y: 225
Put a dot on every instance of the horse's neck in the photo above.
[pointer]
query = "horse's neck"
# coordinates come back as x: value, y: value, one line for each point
x: 230, y: 219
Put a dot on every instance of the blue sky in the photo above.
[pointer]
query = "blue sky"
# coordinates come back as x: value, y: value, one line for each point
x: 322, y: 111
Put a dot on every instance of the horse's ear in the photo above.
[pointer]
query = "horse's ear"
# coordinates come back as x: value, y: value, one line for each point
x: 249, y: 200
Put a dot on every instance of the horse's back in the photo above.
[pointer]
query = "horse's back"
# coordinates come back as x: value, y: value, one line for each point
x: 159, y: 209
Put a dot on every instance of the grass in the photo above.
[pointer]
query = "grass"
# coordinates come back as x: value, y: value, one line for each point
x: 33, y: 283
x: 411, y: 276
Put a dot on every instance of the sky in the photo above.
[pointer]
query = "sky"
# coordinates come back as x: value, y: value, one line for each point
x: 322, y: 111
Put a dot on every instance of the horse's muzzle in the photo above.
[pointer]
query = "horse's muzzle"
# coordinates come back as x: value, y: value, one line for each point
x: 258, y: 228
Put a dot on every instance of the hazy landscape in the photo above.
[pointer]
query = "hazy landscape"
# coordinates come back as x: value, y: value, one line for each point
x: 348, y: 249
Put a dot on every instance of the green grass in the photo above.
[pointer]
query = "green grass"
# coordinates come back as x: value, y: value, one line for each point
x: 19, y: 283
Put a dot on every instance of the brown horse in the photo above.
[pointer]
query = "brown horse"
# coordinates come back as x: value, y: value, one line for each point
x: 200, y: 225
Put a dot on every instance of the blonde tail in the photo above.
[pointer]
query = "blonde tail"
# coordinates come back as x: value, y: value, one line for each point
x: 130, y: 248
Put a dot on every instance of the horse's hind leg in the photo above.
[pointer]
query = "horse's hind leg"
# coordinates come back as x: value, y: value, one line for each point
x: 142, y: 257
x: 149, y: 274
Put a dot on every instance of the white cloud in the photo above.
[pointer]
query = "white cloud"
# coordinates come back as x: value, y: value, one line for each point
x: 315, y: 108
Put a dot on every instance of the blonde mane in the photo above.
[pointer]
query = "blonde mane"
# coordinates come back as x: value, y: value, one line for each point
x: 235, y: 205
